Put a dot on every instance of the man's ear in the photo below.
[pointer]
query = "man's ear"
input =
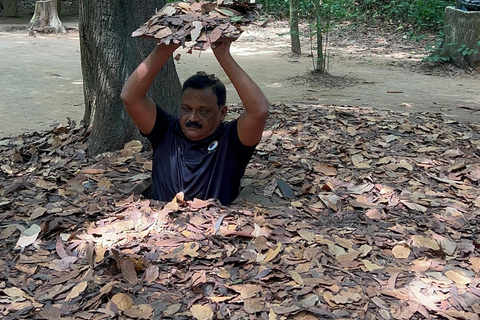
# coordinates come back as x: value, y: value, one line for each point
x: 223, y: 112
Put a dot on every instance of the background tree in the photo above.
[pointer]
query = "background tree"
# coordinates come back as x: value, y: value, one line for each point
x: 109, y: 55
x: 10, y: 8
x: 294, y: 31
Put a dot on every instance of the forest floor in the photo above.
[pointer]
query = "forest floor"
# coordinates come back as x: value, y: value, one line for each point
x: 358, y: 203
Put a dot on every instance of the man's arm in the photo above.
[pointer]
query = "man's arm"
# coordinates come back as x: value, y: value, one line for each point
x: 251, y: 123
x: 142, y: 109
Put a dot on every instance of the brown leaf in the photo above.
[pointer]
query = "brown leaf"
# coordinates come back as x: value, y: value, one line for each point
x: 254, y: 305
x: 326, y: 169
x: 401, y: 251
x: 201, y: 312
x: 122, y: 301
x: 142, y: 311
x: 151, y: 274
x: 77, y: 290
x: 459, y: 276
x: 272, y: 253
x: 128, y: 271
x: 421, y: 241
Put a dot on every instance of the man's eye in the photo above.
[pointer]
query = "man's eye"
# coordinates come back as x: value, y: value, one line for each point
x: 204, y: 112
x: 185, y: 110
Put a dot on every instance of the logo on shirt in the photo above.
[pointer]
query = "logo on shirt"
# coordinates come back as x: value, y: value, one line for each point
x: 212, y: 146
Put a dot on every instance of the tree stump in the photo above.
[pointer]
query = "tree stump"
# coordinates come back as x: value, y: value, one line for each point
x: 45, y: 18
x: 462, y: 37
x: 10, y: 8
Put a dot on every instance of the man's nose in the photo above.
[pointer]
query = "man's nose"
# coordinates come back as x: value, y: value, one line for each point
x: 194, y: 116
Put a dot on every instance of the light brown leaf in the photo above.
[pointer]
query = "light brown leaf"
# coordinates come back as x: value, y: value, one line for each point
x: 373, y: 214
x: 296, y: 277
x: 401, y: 251
x: 326, y: 169
x: 421, y: 241
x: 272, y: 253
x: 372, y: 266
x: 475, y: 262
x: 459, y: 276
x: 151, y: 274
x: 172, y: 309
x: 201, y: 312
x: 254, y: 305
x: 77, y: 290
x: 122, y: 301
x: 142, y: 311
x: 190, y: 249
x: 128, y: 271
x: 250, y: 291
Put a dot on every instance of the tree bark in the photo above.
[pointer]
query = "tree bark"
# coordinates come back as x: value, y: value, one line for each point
x: 320, y: 65
x: 45, y: 18
x: 294, y: 31
x: 109, y: 55
x: 462, y: 37
x: 10, y: 8
x: 59, y: 6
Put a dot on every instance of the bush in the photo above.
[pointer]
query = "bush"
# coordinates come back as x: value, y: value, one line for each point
x: 417, y: 14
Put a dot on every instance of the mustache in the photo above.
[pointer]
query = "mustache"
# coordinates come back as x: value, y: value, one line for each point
x: 190, y: 124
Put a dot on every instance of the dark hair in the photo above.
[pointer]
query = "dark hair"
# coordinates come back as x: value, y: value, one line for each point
x: 201, y: 80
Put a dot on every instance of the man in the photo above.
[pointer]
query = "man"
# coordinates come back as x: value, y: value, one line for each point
x: 197, y: 153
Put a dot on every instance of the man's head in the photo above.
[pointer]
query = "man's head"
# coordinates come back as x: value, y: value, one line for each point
x: 203, y: 106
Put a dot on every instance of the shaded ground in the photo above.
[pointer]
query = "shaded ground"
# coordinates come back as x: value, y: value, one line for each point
x: 42, y: 83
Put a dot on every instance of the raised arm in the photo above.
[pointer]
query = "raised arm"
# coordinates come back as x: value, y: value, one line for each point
x: 142, y: 109
x: 252, y: 122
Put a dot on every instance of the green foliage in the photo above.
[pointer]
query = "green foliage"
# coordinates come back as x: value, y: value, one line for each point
x: 417, y: 14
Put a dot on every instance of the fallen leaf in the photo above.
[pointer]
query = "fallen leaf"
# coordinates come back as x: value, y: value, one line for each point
x: 201, y: 312
x: 28, y: 236
x: 401, y: 251
x: 77, y: 290
x: 458, y: 276
x: 421, y: 241
x: 122, y: 301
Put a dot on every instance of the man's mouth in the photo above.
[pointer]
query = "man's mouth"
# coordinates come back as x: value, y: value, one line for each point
x: 196, y: 125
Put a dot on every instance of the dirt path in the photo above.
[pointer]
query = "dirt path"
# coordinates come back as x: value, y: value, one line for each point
x: 42, y: 84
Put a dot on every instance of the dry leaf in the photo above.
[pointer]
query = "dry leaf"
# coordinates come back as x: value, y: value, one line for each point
x: 254, y: 305
x: 458, y: 276
x: 421, y: 241
x: 372, y: 266
x: 272, y: 254
x: 128, y: 271
x: 122, y: 301
x: 200, y: 312
x: 401, y: 251
x: 28, y: 236
x: 77, y: 290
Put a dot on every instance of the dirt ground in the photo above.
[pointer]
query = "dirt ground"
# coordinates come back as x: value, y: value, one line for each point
x: 41, y: 76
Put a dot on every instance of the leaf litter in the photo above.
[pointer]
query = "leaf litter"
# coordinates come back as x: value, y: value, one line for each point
x: 346, y: 212
x: 200, y: 22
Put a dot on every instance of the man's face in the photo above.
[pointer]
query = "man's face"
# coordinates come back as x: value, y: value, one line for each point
x: 199, y: 113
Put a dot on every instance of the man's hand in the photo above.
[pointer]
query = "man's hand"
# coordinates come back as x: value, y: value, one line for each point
x: 221, y: 48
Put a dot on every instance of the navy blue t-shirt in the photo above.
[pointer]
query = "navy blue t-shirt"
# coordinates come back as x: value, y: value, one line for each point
x: 210, y: 168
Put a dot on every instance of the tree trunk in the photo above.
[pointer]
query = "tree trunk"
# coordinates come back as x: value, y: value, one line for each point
x: 320, y: 65
x: 45, y: 18
x: 294, y: 32
x: 10, y: 8
x: 109, y: 55
x: 462, y: 37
